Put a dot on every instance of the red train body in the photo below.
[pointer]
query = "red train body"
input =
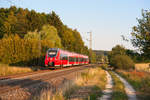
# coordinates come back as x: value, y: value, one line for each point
x: 56, y: 57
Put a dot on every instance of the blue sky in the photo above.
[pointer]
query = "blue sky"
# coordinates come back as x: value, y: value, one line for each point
x: 107, y: 19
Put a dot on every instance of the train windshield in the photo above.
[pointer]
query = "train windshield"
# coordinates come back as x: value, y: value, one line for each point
x: 52, y: 53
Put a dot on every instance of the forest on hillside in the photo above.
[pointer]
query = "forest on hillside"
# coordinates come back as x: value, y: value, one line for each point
x: 26, y: 35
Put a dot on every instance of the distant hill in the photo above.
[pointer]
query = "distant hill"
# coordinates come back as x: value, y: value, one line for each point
x: 101, y: 52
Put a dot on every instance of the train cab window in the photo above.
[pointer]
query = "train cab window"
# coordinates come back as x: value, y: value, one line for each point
x: 52, y: 53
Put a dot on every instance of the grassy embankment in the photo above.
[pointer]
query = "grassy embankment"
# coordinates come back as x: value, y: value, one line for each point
x: 10, y: 70
x: 140, y: 81
x: 118, y: 88
x: 88, y: 85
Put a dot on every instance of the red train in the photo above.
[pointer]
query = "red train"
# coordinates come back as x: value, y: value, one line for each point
x: 56, y: 57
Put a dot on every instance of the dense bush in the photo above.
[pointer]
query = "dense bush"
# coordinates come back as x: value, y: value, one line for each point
x: 14, y: 50
x: 122, y: 62
x: 119, y: 59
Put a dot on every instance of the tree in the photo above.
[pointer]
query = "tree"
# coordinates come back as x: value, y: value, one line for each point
x: 92, y: 57
x: 78, y: 44
x: 141, y: 34
x: 122, y: 62
x: 32, y: 35
x: 67, y: 39
x: 21, y: 26
x: 136, y: 57
x: 2, y: 20
x: 119, y: 59
x: 54, y: 20
x: 117, y: 50
x: 34, y: 21
x: 85, y: 50
x: 50, y: 33
x: 9, y: 24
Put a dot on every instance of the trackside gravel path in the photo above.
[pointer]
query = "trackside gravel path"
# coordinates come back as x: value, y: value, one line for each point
x: 128, y: 88
x: 108, y: 91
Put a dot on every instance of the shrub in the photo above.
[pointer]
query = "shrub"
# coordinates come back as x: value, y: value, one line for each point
x: 122, y: 62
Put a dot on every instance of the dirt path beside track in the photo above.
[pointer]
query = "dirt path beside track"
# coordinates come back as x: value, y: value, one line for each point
x: 128, y: 88
x: 108, y: 88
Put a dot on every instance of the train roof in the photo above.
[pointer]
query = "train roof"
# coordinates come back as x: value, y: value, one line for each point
x: 68, y: 52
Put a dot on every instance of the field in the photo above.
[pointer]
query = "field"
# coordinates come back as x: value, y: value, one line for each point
x: 10, y: 70
x: 140, y: 81
x: 143, y: 67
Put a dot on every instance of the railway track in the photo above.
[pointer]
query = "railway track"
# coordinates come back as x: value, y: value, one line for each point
x: 28, y: 73
x: 25, y: 80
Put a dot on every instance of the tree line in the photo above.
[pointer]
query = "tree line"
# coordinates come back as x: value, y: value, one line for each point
x: 26, y: 35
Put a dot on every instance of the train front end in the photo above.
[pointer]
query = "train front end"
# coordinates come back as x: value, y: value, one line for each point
x: 51, y: 57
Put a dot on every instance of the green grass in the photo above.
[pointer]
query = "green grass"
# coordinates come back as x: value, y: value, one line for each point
x: 118, y: 89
